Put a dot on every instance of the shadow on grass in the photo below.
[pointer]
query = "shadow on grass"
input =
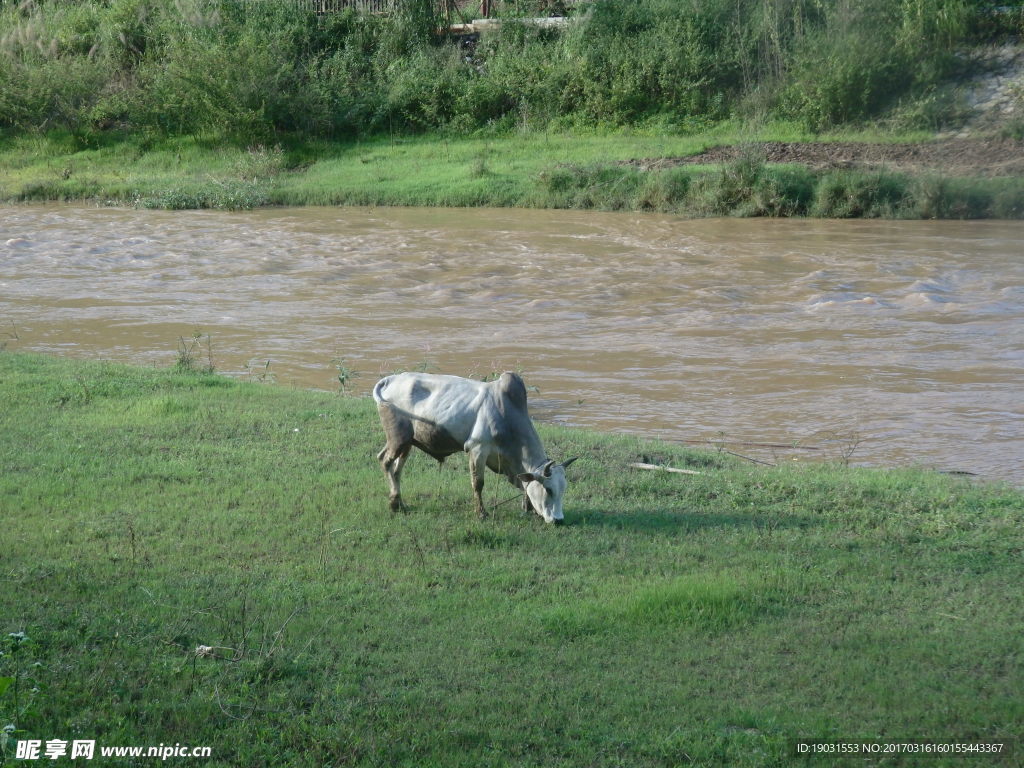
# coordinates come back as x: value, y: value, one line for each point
x: 667, y: 520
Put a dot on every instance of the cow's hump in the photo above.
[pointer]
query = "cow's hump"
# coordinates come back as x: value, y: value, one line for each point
x: 512, y: 389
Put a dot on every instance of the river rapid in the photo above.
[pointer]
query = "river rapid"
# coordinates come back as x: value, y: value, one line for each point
x: 885, y: 343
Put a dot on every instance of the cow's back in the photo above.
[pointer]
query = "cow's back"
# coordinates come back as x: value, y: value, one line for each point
x: 450, y: 402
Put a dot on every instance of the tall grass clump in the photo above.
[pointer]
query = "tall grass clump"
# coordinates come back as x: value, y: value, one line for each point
x: 867, y: 194
x: 859, y: 57
x: 256, y: 71
x: 747, y: 186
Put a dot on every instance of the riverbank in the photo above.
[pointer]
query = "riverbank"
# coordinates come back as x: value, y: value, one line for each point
x: 777, y: 171
x: 199, y: 561
x: 184, y: 106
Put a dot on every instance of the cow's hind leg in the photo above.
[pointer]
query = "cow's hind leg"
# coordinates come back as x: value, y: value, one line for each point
x: 392, y: 465
x: 394, y: 454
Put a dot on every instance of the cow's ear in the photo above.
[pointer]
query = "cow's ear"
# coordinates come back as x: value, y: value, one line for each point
x: 526, y: 477
x: 567, y: 462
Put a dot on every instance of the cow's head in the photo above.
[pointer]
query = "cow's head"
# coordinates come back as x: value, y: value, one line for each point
x: 545, y: 489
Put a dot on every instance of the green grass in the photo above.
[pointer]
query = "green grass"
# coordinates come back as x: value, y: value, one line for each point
x: 539, y: 169
x: 431, y: 170
x: 674, y: 620
x: 504, y: 170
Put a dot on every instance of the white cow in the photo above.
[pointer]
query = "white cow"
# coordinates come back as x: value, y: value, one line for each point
x: 442, y: 415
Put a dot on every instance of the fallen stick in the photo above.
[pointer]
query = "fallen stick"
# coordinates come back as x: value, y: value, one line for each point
x: 748, y: 458
x: 783, y: 446
x: 662, y: 468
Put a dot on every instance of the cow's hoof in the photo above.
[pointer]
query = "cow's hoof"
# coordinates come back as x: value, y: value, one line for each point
x: 397, y: 505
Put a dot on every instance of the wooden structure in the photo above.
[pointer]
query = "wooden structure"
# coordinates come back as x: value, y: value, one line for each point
x: 456, y: 17
x: 321, y: 7
x: 447, y: 9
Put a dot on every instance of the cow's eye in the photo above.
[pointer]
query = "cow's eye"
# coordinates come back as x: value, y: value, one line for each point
x: 548, y: 491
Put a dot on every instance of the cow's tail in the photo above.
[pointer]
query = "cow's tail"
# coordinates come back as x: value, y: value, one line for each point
x: 378, y: 389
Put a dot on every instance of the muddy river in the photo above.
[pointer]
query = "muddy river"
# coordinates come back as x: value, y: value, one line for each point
x: 888, y: 343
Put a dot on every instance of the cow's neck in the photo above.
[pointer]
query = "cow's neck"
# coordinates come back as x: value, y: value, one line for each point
x: 530, y: 456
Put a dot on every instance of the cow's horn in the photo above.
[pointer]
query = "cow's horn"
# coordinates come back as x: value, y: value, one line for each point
x: 567, y: 462
x: 547, y: 469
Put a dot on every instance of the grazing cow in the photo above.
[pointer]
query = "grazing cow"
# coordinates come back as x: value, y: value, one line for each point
x: 442, y: 415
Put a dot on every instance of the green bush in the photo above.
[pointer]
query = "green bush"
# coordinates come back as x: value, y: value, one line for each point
x: 665, y: 191
x: 231, y: 195
x: 866, y: 55
x: 253, y: 71
x: 950, y: 198
x: 848, y: 194
x: 1008, y: 202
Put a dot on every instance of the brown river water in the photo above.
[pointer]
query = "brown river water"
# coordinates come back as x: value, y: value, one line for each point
x: 887, y: 343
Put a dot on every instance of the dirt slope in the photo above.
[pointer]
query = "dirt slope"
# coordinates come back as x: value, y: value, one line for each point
x: 962, y: 157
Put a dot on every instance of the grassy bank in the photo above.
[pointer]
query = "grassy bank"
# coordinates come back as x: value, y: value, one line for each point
x: 232, y: 104
x: 542, y: 170
x: 198, y: 561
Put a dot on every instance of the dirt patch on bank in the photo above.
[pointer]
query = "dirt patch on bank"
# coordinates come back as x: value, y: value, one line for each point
x: 959, y: 157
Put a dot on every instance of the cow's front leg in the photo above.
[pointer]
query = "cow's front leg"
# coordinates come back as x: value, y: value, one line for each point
x: 477, y: 465
x: 527, y: 506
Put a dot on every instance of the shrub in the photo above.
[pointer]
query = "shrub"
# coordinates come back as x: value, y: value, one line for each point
x: 1008, y: 202
x: 251, y: 71
x: 665, y: 190
x: 848, y: 194
x: 950, y: 198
